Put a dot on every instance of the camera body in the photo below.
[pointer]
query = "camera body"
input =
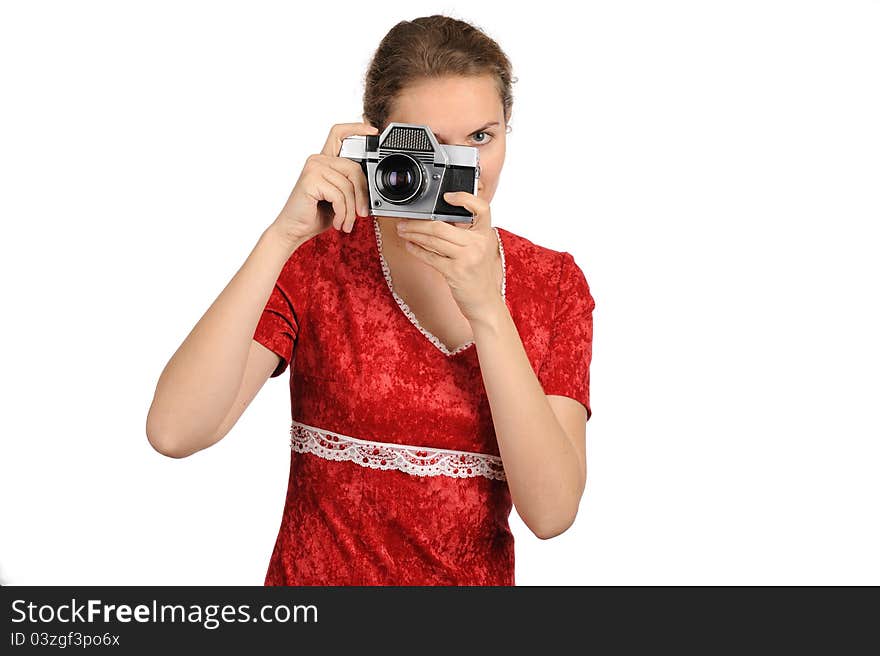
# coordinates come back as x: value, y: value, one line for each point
x: 408, y: 171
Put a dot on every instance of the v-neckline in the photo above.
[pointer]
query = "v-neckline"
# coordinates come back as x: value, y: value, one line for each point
x: 407, y: 311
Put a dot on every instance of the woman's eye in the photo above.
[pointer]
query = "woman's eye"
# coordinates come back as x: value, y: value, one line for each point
x: 482, y: 141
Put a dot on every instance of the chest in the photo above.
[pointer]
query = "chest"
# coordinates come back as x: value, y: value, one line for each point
x: 395, y: 355
x: 424, y: 296
x: 425, y: 299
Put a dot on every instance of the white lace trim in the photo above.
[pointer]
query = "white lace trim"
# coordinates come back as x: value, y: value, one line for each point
x: 417, y: 460
x: 386, y: 271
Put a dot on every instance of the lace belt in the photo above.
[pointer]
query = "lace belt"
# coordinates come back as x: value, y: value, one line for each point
x: 417, y: 460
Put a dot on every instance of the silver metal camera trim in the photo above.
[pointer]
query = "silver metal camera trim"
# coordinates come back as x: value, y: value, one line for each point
x: 354, y: 148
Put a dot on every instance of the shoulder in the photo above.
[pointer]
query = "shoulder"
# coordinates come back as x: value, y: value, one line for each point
x: 554, y: 268
x: 524, y: 246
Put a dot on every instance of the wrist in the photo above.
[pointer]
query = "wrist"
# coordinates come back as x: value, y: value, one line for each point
x: 491, y: 318
x: 282, y: 240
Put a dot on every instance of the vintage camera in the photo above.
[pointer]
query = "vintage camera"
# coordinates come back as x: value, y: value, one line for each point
x: 408, y: 171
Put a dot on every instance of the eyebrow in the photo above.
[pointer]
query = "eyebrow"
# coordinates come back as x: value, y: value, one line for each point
x: 487, y: 125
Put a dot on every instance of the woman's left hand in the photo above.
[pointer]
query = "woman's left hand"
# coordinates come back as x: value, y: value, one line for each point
x: 465, y: 257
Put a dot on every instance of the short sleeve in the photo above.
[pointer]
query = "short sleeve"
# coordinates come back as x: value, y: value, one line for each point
x: 284, y: 312
x: 565, y: 370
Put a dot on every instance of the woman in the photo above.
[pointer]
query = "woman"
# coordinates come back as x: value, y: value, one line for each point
x: 441, y: 371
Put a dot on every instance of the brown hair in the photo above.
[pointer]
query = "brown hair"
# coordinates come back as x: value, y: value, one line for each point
x: 426, y: 47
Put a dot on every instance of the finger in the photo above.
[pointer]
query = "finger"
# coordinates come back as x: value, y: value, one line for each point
x: 437, y: 229
x: 353, y: 171
x: 347, y: 188
x: 342, y: 130
x: 437, y: 261
x: 436, y: 244
x: 478, y: 206
x: 321, y: 189
x: 339, y: 207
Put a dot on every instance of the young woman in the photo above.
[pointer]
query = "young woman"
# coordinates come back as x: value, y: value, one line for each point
x: 441, y: 370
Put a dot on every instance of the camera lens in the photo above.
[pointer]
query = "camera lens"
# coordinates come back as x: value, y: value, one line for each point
x: 398, y: 178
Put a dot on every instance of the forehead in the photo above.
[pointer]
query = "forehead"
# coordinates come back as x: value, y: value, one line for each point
x: 450, y: 104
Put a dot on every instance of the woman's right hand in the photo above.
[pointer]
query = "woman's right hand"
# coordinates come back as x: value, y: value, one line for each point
x: 330, y: 190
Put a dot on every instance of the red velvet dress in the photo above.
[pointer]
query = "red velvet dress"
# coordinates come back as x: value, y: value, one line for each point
x: 395, y: 474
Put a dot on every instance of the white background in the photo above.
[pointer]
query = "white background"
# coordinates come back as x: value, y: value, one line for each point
x: 712, y: 166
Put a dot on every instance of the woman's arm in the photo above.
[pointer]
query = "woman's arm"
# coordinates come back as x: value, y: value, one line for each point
x: 544, y: 461
x: 213, y: 375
